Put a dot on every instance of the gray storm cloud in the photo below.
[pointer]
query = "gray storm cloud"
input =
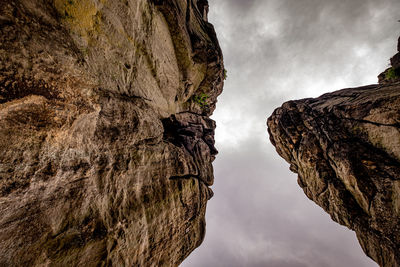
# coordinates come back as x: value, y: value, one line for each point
x: 276, y: 51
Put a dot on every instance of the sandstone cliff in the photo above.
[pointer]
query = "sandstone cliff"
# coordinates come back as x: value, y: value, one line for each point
x: 345, y: 147
x: 105, y: 138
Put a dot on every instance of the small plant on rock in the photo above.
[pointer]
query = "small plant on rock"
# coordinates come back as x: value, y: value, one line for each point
x: 392, y: 74
x: 201, y: 99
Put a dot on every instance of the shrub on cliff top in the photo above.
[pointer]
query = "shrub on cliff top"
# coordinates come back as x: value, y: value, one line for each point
x: 392, y: 74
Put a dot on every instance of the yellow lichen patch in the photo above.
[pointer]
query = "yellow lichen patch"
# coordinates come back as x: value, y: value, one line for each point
x: 82, y: 16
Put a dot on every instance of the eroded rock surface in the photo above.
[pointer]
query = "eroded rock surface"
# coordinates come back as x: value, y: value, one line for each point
x: 105, y: 138
x: 345, y: 147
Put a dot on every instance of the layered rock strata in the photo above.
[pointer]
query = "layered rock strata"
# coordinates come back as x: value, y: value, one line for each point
x: 345, y: 147
x: 105, y: 138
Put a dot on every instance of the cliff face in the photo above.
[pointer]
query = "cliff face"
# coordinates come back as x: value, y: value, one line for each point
x: 105, y: 138
x: 345, y: 147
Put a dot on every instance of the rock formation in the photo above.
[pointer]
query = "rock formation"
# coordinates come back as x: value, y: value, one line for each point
x: 345, y: 147
x: 105, y: 138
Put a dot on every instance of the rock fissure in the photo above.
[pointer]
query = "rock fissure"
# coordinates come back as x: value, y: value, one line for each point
x: 186, y: 176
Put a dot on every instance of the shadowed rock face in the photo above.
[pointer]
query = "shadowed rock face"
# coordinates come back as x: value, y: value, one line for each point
x: 345, y: 147
x: 105, y: 141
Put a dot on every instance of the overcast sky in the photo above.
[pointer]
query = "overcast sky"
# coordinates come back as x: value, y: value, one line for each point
x: 275, y: 51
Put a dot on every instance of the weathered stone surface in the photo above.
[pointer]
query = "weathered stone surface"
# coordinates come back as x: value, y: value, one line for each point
x: 345, y: 147
x: 105, y: 149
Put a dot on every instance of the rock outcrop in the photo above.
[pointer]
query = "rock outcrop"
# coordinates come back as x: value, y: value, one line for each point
x: 392, y: 74
x: 105, y: 138
x: 345, y: 147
